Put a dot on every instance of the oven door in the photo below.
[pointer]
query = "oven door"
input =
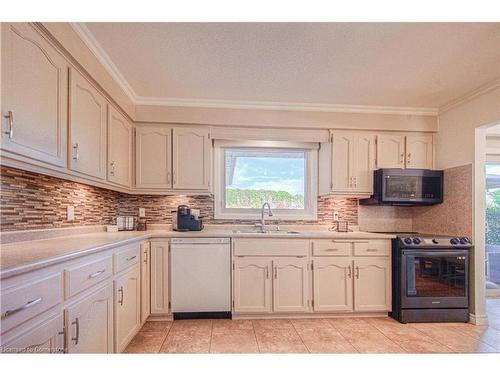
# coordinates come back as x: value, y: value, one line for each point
x: 434, y: 279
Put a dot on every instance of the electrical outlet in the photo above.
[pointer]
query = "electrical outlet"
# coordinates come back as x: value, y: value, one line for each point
x: 70, y: 213
x: 142, y: 212
x: 335, y: 216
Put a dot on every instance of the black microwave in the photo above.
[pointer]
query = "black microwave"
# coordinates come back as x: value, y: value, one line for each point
x: 406, y: 187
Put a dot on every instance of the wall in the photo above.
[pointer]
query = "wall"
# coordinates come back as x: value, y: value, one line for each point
x: 34, y: 201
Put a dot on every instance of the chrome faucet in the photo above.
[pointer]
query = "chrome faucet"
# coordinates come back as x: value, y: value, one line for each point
x: 262, y: 220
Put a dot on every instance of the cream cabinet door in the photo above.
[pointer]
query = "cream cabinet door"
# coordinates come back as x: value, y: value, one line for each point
x: 390, y: 151
x: 159, y: 277
x: 47, y: 337
x: 290, y: 286
x: 119, y: 148
x: 191, y: 159
x: 252, y: 285
x: 145, y: 281
x: 89, y: 323
x: 127, y: 292
x: 419, y: 151
x: 342, y: 159
x: 34, y: 95
x: 87, y: 128
x: 153, y: 153
x: 332, y: 284
x: 372, y: 284
x: 363, y: 162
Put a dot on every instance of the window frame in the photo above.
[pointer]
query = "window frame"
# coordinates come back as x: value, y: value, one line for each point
x: 311, y: 180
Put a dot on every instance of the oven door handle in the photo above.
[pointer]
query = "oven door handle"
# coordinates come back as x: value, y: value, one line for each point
x: 458, y: 253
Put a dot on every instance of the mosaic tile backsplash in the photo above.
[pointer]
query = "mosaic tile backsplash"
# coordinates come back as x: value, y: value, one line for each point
x: 34, y: 201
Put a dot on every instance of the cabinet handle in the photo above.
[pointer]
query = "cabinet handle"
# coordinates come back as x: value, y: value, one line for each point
x: 408, y: 158
x: 10, y: 117
x: 267, y: 272
x: 331, y: 250
x: 355, y: 181
x: 371, y: 250
x: 131, y: 258
x: 76, y: 152
x: 357, y: 272
x: 402, y: 160
x: 27, y: 305
x: 175, y: 178
x: 120, y: 300
x: 146, y: 257
x: 168, y: 177
x: 95, y: 274
x: 77, y: 324
x: 275, y: 272
x: 349, y: 271
x: 112, y: 171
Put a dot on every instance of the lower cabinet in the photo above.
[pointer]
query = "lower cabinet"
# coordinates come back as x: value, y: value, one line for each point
x: 159, y: 277
x: 127, y: 307
x: 347, y: 284
x: 264, y: 285
x: 46, y: 337
x: 145, y: 281
x: 332, y: 284
x: 252, y: 285
x: 89, y: 323
x: 372, y: 284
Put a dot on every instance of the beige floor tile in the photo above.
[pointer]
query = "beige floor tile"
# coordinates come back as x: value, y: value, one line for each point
x: 320, y: 337
x: 263, y: 324
x: 146, y: 342
x: 188, y: 325
x: 233, y: 340
x: 409, y: 338
x: 279, y: 340
x: 449, y: 336
x: 187, y: 342
x: 365, y: 337
x: 228, y: 324
x: 162, y: 326
x: 486, y: 334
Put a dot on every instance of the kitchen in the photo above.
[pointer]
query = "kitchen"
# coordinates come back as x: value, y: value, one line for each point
x: 233, y: 211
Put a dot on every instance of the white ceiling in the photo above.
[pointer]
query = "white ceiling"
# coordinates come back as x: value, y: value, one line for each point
x: 366, y: 64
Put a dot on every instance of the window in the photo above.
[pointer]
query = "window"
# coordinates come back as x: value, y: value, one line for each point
x: 249, y: 175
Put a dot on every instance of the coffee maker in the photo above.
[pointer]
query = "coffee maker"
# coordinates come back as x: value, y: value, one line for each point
x: 187, y: 220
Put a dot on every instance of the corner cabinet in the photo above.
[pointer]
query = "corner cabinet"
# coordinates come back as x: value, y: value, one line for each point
x: 87, y: 128
x: 119, y: 148
x: 191, y: 159
x: 347, y: 163
x: 153, y: 157
x: 34, y: 96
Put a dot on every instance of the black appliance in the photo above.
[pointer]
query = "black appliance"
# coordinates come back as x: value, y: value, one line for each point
x: 430, y: 278
x: 406, y: 187
x: 186, y: 221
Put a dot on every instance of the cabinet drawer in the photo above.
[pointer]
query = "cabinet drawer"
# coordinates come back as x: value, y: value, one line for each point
x: 26, y: 301
x: 331, y: 247
x: 126, y: 257
x: 83, y: 276
x: 373, y: 248
x: 270, y: 247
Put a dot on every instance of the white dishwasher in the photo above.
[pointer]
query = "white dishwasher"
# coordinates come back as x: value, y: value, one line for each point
x: 200, y: 277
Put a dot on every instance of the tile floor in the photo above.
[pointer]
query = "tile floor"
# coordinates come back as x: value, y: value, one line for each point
x: 338, y: 335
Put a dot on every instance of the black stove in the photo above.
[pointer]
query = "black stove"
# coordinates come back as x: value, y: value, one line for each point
x: 430, y: 278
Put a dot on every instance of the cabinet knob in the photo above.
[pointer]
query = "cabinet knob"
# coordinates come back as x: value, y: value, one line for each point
x: 10, y: 117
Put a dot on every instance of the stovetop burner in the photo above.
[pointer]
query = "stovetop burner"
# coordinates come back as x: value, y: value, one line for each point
x: 430, y: 241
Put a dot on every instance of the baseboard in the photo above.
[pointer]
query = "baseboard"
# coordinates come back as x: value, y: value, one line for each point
x: 480, y: 320
x: 309, y: 315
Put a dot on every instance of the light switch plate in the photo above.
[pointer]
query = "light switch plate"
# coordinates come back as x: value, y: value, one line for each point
x: 142, y: 212
x: 70, y: 213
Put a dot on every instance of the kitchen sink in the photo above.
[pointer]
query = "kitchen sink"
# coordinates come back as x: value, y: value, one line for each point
x: 268, y: 231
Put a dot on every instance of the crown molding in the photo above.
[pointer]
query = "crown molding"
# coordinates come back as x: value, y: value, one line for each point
x: 88, y: 38
x: 492, y: 85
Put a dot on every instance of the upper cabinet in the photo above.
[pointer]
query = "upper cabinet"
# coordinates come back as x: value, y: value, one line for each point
x: 350, y: 159
x: 191, y: 158
x: 153, y: 157
x: 34, y: 95
x: 119, y: 148
x: 87, y: 128
x: 405, y: 151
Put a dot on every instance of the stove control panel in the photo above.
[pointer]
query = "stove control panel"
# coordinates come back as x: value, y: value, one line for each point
x: 417, y: 241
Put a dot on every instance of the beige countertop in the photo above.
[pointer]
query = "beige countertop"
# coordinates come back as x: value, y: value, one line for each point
x: 20, y: 257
